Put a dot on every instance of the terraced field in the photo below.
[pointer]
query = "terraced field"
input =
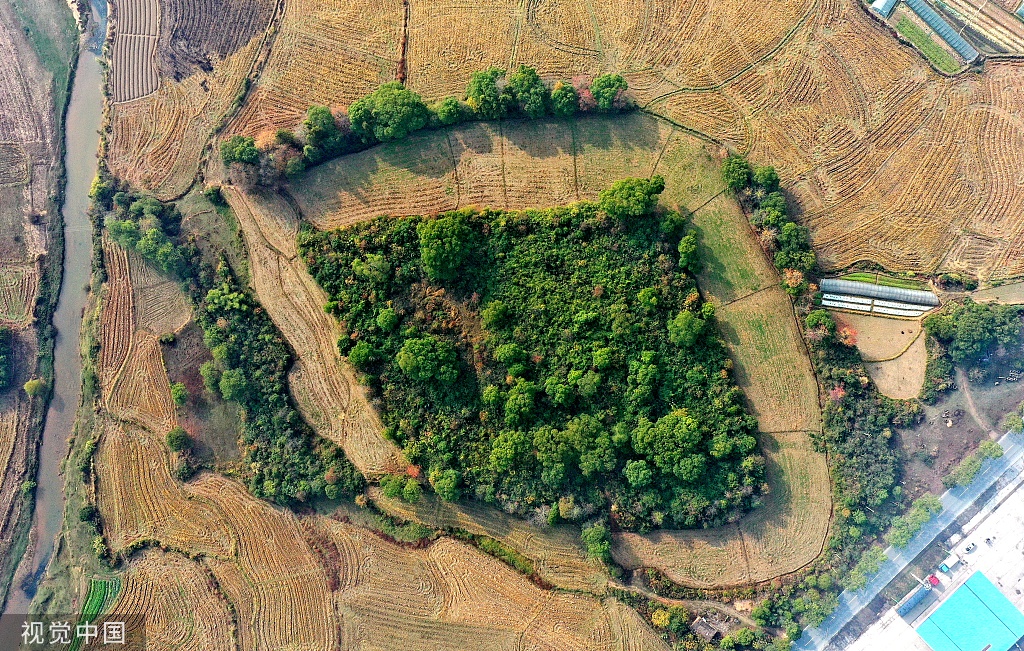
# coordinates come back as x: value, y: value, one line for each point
x: 755, y: 316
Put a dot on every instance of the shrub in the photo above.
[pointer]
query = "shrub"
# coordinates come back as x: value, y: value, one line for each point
x: 631, y: 197
x: 449, y: 111
x: 530, y: 94
x: 178, y: 439
x: 444, y: 244
x: 484, y: 96
x: 564, y: 101
x: 34, y: 387
x: 412, y: 491
x: 597, y: 542
x: 179, y: 394
x: 211, y: 377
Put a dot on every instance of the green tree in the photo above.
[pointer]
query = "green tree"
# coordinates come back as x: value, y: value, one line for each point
x: 445, y: 484
x: 736, y: 172
x: 178, y: 439
x: 631, y: 197
x: 239, y: 149
x: 672, y: 444
x: 684, y: 329
x: 766, y: 177
x: 179, y: 394
x: 387, y: 319
x: 444, y: 244
x: 412, y: 492
x: 449, y: 111
x: 427, y: 359
x: 606, y: 89
x: 597, y: 541
x: 638, y: 473
x: 531, y: 95
x: 34, y: 387
x: 485, y: 96
x: 564, y: 101
x: 689, y: 258
x: 323, y: 137
x: 362, y: 354
x: 391, y: 112
x: 211, y: 376
x: 233, y: 384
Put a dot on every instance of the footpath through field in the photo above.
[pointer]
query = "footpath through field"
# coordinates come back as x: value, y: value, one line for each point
x: 954, y: 502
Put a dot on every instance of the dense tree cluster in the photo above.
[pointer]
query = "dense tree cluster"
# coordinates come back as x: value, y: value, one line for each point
x: 972, y: 331
x: 285, y: 459
x: 557, y: 360
x: 788, y: 243
x: 145, y: 225
x: 392, y: 112
x: 7, y: 371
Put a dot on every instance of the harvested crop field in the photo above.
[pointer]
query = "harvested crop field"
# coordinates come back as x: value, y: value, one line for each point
x: 902, y: 377
x: 755, y: 315
x: 785, y: 534
x: 133, y: 50
x: 1012, y: 294
x: 883, y: 155
x: 14, y: 164
x: 517, y: 164
x: 180, y: 602
x: 557, y: 552
x: 772, y: 367
x: 327, y: 53
x: 160, y: 127
x: 160, y: 307
x: 324, y: 387
x: 879, y: 339
x: 18, y: 287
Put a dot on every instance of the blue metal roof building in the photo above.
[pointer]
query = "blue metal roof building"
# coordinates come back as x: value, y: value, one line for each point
x: 884, y: 7
x: 943, y: 29
x: 977, y: 617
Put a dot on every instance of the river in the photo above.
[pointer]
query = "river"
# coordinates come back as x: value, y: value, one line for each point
x: 81, y: 130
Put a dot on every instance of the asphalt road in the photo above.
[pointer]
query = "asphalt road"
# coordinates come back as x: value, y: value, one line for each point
x: 954, y: 502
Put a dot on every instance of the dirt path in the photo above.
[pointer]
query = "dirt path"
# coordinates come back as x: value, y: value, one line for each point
x: 324, y: 387
x: 984, y: 423
x: 691, y: 605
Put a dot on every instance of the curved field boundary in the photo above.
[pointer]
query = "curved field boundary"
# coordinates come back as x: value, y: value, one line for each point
x: 323, y: 385
x: 755, y: 316
x: 557, y: 552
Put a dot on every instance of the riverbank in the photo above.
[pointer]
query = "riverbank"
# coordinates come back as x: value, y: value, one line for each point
x: 60, y: 310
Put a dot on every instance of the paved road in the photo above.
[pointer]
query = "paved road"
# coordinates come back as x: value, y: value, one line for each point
x: 954, y: 502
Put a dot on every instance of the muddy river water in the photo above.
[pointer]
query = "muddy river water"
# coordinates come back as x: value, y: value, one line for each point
x: 82, y: 139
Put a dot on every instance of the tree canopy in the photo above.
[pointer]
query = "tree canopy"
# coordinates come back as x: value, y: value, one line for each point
x: 239, y: 149
x: 391, y: 112
x: 562, y: 358
x: 606, y: 89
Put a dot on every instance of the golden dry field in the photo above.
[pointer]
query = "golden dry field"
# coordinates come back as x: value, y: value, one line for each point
x: 324, y: 387
x: 755, y: 315
x: 556, y: 552
x: 893, y: 351
x: 784, y: 535
x: 176, y: 68
x: 236, y: 566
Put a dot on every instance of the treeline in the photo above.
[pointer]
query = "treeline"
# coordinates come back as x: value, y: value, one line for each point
x: 392, y: 112
x: 785, y: 241
x: 285, y: 459
x: 557, y: 361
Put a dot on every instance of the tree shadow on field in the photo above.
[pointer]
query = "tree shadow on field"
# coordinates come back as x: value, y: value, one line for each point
x: 626, y: 131
x: 714, y: 270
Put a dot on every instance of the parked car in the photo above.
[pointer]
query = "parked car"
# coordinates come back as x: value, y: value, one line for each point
x: 970, y: 548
